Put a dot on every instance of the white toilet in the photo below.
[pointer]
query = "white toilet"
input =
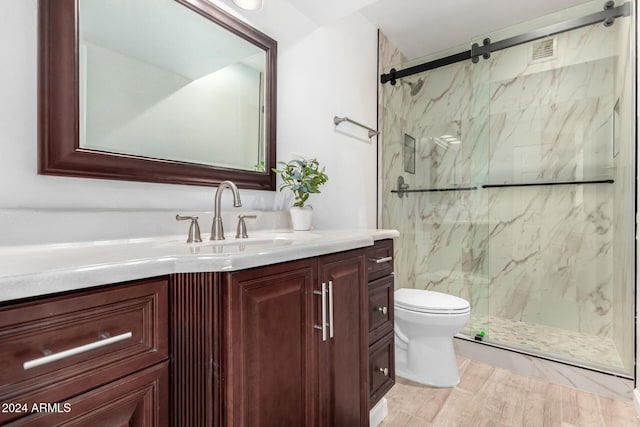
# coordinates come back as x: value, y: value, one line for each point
x: 425, y: 323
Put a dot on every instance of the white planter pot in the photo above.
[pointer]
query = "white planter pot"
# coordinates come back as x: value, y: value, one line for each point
x: 301, y: 218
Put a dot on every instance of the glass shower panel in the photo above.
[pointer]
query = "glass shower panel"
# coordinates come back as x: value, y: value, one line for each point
x: 433, y: 132
x: 624, y: 153
x: 520, y: 170
x: 478, y: 144
x: 551, y: 261
x: 398, y: 210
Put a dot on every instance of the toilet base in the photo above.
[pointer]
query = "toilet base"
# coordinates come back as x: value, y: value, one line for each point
x: 431, y: 362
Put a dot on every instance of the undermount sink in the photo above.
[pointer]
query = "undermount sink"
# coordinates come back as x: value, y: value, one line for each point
x: 258, y: 240
x: 261, y: 237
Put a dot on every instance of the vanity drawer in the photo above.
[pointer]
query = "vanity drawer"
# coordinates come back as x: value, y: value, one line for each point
x: 140, y: 399
x: 380, y: 308
x: 380, y: 259
x: 58, y: 347
x: 382, y: 372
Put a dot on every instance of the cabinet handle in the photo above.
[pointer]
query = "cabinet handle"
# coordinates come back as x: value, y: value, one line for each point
x: 323, y: 327
x: 383, y: 310
x: 384, y: 371
x: 383, y: 260
x: 330, y: 309
x: 74, y: 351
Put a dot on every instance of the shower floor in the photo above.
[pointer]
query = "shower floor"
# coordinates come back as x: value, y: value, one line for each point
x: 600, y: 352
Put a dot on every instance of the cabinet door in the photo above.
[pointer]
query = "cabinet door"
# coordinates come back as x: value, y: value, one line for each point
x: 268, y: 355
x: 342, y: 367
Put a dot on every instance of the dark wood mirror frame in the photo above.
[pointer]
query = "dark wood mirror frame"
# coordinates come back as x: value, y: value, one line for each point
x: 59, y: 148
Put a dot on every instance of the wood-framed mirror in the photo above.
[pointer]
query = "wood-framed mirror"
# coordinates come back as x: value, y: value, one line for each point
x: 168, y: 91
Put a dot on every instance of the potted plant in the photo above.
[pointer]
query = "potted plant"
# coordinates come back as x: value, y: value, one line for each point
x: 302, y: 177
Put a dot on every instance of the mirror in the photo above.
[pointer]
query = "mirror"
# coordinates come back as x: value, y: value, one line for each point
x: 173, y: 91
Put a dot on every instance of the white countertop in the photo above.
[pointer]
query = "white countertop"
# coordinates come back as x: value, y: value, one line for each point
x: 34, y: 270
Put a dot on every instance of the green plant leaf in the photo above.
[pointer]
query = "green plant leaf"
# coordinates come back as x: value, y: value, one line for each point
x: 302, y: 177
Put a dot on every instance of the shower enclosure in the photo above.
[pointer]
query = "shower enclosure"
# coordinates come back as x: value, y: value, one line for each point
x: 512, y: 181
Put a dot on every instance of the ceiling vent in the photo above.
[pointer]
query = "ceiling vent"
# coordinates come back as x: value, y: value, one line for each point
x: 544, y: 50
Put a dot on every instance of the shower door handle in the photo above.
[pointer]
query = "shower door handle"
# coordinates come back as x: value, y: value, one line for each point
x: 323, y: 316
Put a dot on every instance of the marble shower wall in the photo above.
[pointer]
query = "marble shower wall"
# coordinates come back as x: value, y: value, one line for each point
x: 397, y: 213
x: 559, y: 255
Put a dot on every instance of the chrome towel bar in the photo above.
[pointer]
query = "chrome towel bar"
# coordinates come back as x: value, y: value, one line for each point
x: 337, y: 120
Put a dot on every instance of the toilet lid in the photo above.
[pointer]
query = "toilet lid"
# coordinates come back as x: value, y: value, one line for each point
x: 430, y: 301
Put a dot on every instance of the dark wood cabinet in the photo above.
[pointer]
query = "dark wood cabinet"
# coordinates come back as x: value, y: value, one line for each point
x: 380, y: 308
x: 268, y: 340
x: 276, y: 368
x: 138, y: 400
x: 343, y: 353
x: 95, y: 357
x: 195, y: 349
x: 281, y: 345
x: 380, y: 259
x: 381, y: 368
x: 381, y: 363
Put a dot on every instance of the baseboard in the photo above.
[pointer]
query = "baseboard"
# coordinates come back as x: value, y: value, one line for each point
x: 378, y: 413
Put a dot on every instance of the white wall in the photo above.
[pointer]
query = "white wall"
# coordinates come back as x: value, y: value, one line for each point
x: 333, y: 72
x: 140, y: 108
x: 322, y: 72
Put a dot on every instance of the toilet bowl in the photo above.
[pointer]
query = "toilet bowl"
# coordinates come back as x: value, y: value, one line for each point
x: 425, y: 323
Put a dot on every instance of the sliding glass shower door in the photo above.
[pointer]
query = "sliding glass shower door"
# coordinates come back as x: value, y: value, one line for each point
x: 511, y: 181
x: 435, y: 154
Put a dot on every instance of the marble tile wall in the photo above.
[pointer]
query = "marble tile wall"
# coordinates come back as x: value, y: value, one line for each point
x: 559, y: 256
x: 396, y: 212
x: 551, y: 256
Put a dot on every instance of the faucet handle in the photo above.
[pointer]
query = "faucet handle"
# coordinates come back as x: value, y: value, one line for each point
x: 194, y: 228
x: 241, y: 230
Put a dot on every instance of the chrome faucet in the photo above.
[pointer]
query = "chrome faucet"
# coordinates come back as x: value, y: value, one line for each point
x: 217, y: 230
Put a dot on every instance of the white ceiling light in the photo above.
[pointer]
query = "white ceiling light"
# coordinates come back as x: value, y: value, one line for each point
x: 248, y: 4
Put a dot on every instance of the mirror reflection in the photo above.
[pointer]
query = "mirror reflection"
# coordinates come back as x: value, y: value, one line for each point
x: 160, y: 81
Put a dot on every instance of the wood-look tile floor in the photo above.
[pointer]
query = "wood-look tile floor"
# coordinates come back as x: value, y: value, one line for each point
x: 494, y: 397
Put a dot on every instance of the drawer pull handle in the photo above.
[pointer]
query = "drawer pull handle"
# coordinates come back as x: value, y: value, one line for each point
x: 384, y: 371
x: 74, y: 351
x: 383, y: 260
x: 383, y: 310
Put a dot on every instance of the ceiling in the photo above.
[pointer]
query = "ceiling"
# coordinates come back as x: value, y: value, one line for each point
x: 422, y: 27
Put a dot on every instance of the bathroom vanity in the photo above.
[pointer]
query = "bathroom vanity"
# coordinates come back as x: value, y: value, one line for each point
x: 263, y: 332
